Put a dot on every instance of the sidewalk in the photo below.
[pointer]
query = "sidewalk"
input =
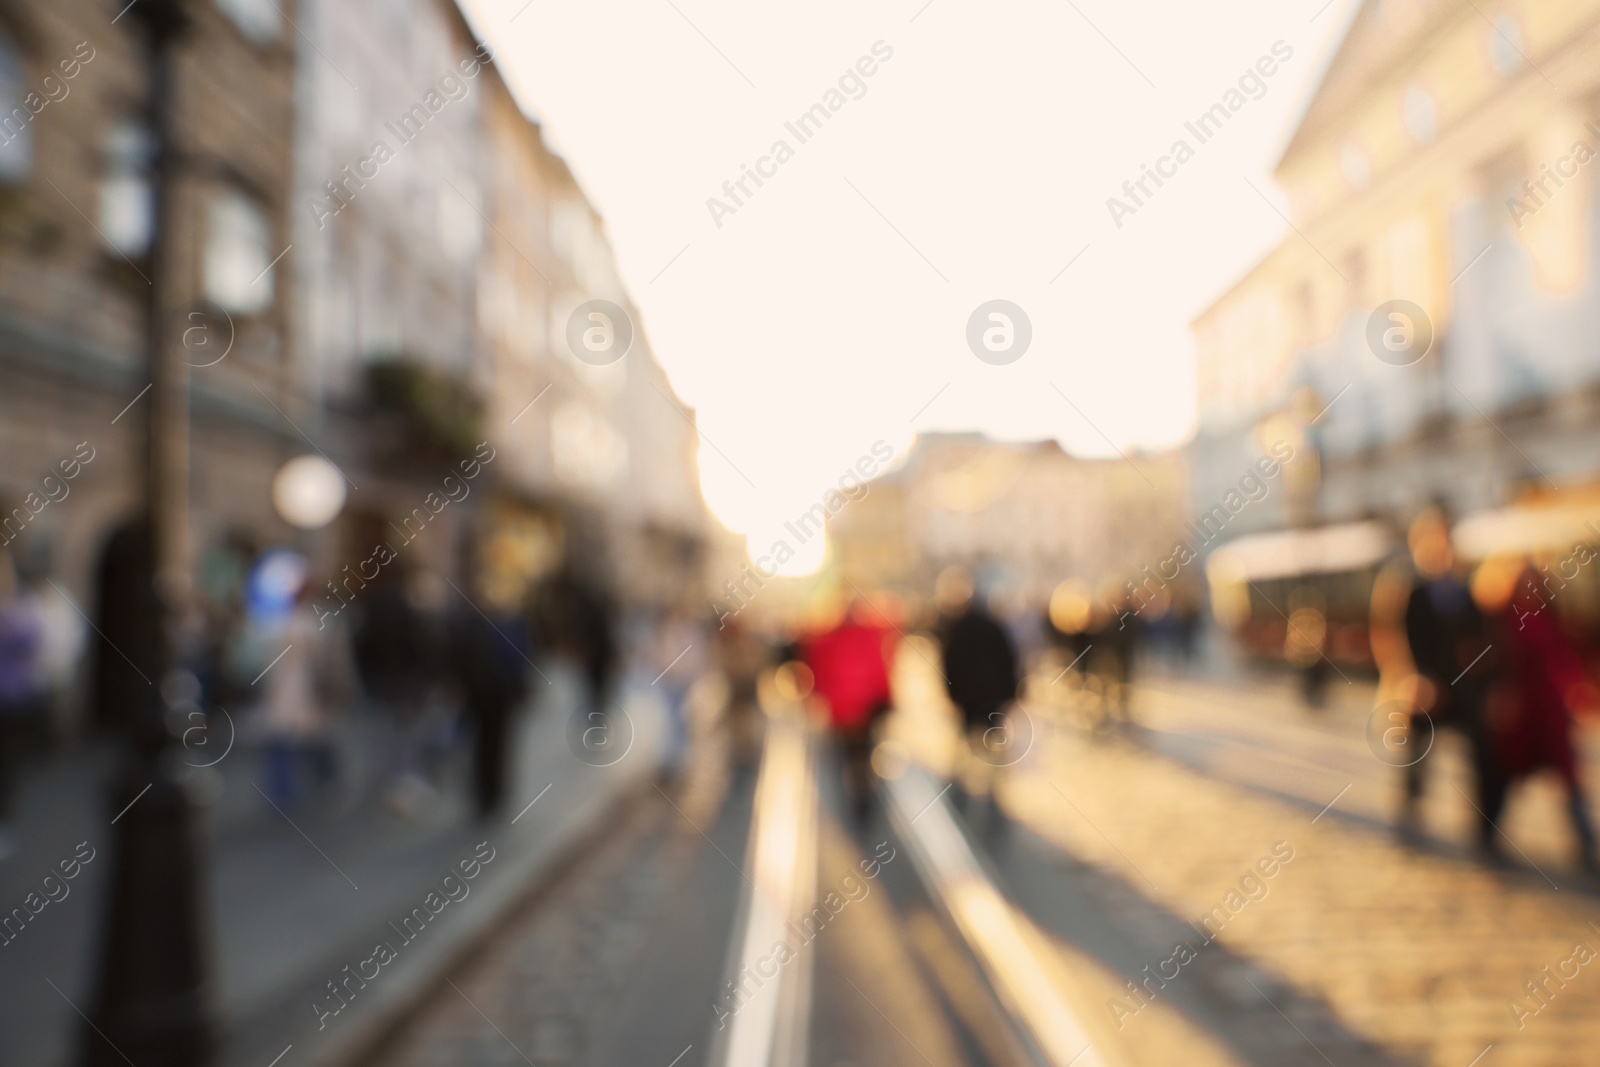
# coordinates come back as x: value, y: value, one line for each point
x: 286, y: 912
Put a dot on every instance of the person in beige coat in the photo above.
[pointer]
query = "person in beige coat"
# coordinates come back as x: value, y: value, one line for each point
x: 305, y: 691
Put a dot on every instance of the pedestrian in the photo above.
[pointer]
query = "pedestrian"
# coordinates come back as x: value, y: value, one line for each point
x: 850, y: 667
x: 676, y: 655
x: 23, y: 691
x: 1447, y: 638
x: 397, y: 654
x: 305, y: 691
x: 488, y: 660
x: 1116, y: 627
x: 980, y: 669
x: 742, y: 655
x: 126, y: 656
x: 1544, y: 683
x: 577, y: 619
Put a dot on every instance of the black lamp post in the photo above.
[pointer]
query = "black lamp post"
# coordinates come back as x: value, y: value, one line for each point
x: 150, y: 996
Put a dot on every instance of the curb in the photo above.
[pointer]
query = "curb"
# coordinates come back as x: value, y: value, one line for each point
x: 369, y: 1033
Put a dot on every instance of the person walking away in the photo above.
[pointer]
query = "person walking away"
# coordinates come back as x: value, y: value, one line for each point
x: 742, y: 655
x: 488, y: 659
x: 1115, y: 627
x: 395, y: 655
x: 304, y: 693
x: 125, y: 657
x: 576, y: 619
x: 676, y: 656
x: 1530, y: 713
x: 850, y: 668
x: 1447, y: 636
x: 23, y: 691
x: 980, y: 669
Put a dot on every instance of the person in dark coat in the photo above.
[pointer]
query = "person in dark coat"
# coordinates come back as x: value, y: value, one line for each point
x: 1449, y: 639
x: 127, y: 656
x: 980, y: 670
x: 488, y: 664
x: 980, y: 667
x: 573, y: 615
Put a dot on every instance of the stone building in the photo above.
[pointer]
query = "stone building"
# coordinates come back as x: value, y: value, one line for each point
x: 391, y: 147
x: 600, y: 454
x: 1442, y: 162
x: 376, y: 259
x: 1025, y: 515
x: 76, y: 232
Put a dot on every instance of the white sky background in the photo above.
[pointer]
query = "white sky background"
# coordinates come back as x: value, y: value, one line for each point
x: 806, y: 328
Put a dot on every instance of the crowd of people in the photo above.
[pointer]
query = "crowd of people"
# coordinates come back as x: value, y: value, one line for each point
x: 430, y: 673
x: 1478, y: 653
x: 409, y: 689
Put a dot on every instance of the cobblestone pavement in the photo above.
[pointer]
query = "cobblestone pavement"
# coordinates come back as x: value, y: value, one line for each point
x: 560, y: 985
x: 621, y: 960
x: 1353, y: 949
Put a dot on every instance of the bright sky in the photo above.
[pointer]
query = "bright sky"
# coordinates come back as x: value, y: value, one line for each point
x: 830, y: 310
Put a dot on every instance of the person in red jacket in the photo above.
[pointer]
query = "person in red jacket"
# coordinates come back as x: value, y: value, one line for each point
x: 1531, y: 711
x: 850, y: 665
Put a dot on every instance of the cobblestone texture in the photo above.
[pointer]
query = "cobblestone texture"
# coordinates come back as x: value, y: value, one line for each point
x: 1422, y: 953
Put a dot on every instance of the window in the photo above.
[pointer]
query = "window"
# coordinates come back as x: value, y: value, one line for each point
x: 260, y: 21
x: 238, y: 254
x: 1355, y: 166
x: 127, y: 192
x: 1421, y: 115
x: 460, y: 227
x: 16, y: 130
x: 1505, y: 45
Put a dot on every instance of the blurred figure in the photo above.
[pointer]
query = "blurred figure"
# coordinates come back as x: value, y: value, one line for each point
x: 1024, y: 623
x: 1187, y: 614
x: 224, y: 570
x: 1446, y: 636
x: 23, y: 692
x: 1304, y: 641
x: 1115, y: 630
x: 1070, y: 612
x: 850, y: 668
x: 980, y: 668
x: 129, y: 648
x: 488, y: 662
x: 305, y: 691
x: 1530, y: 712
x: 575, y: 618
x: 397, y: 654
x: 743, y: 655
x: 675, y: 657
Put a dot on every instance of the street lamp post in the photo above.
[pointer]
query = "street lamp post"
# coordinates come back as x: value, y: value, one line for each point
x: 150, y: 997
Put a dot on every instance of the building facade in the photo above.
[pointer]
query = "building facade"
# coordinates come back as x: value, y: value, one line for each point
x: 374, y: 255
x: 77, y: 232
x: 1024, y: 516
x: 1428, y: 333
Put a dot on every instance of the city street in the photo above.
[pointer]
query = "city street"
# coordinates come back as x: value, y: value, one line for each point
x: 1364, y: 949
x: 1356, y: 950
x: 701, y: 534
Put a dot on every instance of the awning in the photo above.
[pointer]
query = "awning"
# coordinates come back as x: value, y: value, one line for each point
x: 1522, y: 529
x: 1346, y: 547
